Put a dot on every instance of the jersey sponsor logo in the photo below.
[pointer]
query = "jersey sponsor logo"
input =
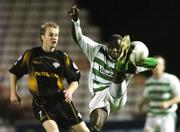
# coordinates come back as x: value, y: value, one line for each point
x: 56, y: 64
x: 104, y: 71
x: 46, y: 74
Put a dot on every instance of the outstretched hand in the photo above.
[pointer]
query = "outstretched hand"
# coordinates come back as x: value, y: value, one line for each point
x: 74, y: 13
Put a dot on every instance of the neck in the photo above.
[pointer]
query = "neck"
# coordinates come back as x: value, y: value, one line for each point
x: 158, y: 75
x: 48, y: 49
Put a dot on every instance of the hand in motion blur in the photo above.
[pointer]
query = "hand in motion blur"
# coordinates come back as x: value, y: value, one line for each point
x: 74, y: 13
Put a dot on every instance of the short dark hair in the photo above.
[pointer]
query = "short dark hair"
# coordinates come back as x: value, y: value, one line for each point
x: 115, y: 36
x: 113, y: 40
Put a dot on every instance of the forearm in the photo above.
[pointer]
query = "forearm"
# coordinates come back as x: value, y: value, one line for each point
x: 76, y: 31
x: 174, y: 100
x: 87, y: 45
x: 14, y: 97
x: 13, y: 83
x: 73, y: 86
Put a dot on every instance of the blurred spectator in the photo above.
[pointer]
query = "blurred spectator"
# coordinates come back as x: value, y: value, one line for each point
x: 161, y: 93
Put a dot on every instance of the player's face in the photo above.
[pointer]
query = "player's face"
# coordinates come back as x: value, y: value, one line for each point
x: 114, y: 52
x: 50, y: 39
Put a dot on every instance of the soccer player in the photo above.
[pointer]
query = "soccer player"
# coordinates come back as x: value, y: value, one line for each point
x: 161, y: 94
x: 109, y: 73
x: 47, y: 68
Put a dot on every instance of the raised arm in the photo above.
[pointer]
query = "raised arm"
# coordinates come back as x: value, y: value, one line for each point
x: 76, y: 29
x: 86, y: 44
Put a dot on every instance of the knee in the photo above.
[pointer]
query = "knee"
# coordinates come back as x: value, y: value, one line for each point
x: 148, y: 130
x: 50, y: 126
x: 95, y: 128
x: 97, y: 119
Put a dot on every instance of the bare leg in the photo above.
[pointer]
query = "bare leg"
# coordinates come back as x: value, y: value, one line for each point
x: 50, y: 126
x: 97, y: 119
x: 81, y: 127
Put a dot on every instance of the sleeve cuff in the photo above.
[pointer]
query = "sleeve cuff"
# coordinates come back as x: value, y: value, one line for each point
x: 76, y: 22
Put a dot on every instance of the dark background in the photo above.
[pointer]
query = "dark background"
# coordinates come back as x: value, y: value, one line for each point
x: 154, y: 22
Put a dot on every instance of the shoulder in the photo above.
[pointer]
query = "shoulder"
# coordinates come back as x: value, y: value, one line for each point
x: 171, y: 76
x: 102, y: 49
x: 61, y: 53
x: 63, y: 56
x: 34, y: 49
x: 149, y: 79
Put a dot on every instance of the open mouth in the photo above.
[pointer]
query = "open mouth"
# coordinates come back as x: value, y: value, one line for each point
x: 54, y: 41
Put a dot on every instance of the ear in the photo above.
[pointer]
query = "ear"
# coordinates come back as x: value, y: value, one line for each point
x: 42, y: 37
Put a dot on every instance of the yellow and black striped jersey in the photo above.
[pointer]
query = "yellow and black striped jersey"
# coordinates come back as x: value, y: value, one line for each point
x: 47, y: 70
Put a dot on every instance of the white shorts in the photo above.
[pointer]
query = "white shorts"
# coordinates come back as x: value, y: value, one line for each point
x: 104, y: 99
x: 163, y: 123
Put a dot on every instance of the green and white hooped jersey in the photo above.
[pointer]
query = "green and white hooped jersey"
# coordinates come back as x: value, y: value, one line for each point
x: 102, y: 71
x: 101, y: 65
x: 160, y: 90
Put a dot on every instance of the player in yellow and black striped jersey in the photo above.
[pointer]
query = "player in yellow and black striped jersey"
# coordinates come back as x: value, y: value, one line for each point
x: 47, y: 69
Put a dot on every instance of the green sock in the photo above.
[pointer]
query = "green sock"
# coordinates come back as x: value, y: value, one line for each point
x: 149, y: 62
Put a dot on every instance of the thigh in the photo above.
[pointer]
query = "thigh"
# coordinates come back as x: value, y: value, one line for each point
x: 63, y: 113
x: 40, y: 112
x: 168, y: 124
x: 100, y: 100
x: 44, y: 117
x: 67, y: 114
x: 117, y: 103
x: 151, y: 124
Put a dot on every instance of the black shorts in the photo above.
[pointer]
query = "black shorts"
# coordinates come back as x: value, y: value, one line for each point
x: 57, y: 109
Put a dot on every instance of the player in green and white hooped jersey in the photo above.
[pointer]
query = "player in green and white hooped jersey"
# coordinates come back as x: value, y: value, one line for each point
x: 109, y: 73
x: 162, y: 91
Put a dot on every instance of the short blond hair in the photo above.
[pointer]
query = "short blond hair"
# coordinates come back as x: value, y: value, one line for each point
x: 47, y: 25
